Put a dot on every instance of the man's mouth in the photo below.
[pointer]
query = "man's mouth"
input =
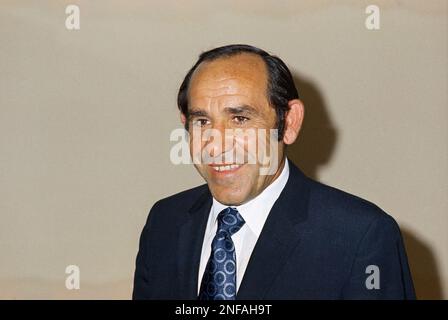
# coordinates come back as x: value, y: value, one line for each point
x: 225, y: 167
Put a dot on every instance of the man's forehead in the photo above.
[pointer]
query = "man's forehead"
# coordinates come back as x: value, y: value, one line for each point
x: 247, y: 67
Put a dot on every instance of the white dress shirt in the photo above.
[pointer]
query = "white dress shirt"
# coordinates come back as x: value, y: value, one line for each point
x: 254, y: 213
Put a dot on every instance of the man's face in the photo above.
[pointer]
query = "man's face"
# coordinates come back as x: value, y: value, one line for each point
x: 226, y: 94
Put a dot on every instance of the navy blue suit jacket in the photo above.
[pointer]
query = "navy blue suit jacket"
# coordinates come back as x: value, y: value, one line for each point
x: 317, y: 243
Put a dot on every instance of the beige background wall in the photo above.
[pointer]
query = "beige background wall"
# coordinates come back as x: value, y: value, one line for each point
x: 85, y: 118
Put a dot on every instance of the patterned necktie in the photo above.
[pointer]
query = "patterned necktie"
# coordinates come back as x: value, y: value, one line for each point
x: 219, y: 280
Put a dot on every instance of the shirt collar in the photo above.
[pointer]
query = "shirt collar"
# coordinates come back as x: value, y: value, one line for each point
x: 256, y: 211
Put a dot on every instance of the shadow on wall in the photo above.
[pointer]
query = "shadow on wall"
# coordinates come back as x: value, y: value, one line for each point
x: 423, y: 265
x: 314, y: 148
x: 318, y: 137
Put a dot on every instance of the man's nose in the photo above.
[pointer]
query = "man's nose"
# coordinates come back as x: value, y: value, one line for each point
x: 219, y: 141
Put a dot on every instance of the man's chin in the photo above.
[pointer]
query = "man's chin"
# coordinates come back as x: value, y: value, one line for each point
x: 229, y: 199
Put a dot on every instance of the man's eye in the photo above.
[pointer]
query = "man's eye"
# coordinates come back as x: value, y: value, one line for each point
x: 240, y: 119
x: 200, y: 122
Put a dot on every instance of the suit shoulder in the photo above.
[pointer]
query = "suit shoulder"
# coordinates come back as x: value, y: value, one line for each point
x: 184, y: 197
x: 341, y: 206
x: 179, y: 202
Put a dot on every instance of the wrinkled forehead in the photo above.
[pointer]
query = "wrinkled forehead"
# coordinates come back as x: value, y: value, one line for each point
x: 242, y: 74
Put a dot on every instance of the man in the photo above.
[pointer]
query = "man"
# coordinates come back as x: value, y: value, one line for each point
x: 251, y: 235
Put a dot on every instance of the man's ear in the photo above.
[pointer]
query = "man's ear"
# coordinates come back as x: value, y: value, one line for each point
x: 183, y: 118
x: 293, y: 121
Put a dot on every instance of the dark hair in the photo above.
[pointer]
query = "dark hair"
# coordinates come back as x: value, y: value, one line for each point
x: 280, y: 86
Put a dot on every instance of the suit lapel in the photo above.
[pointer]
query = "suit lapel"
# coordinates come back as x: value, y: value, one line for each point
x: 280, y: 235
x: 191, y: 236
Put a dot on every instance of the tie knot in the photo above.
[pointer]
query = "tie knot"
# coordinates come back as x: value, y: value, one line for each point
x: 230, y: 221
